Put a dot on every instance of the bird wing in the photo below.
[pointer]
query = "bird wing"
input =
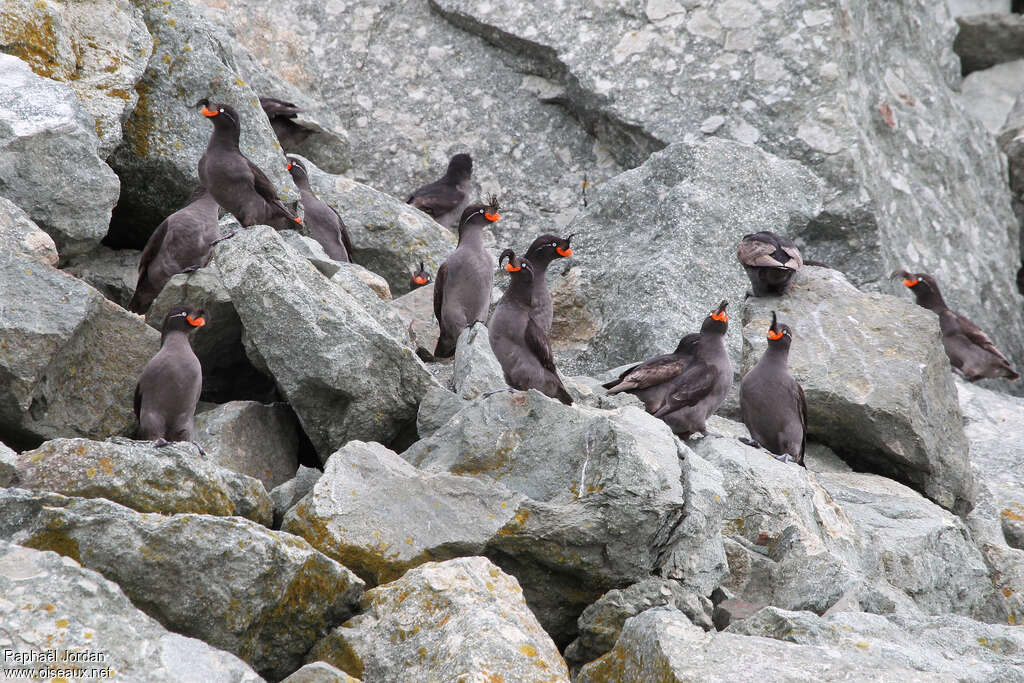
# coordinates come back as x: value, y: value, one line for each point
x: 345, y: 240
x: 648, y: 374
x: 275, y: 107
x: 978, y: 337
x: 539, y: 346
x: 151, y: 249
x: 436, y: 200
x: 137, y: 401
x: 803, y: 421
x: 795, y: 261
x: 266, y: 189
x: 691, y: 386
x: 752, y: 252
x: 442, y: 275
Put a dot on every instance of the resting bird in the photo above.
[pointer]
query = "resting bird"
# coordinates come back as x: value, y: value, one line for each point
x: 970, y: 351
x: 446, y: 198
x: 770, y: 262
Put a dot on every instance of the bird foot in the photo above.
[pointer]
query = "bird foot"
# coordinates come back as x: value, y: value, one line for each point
x: 425, y: 356
x: 199, y: 448
x: 497, y: 391
x: 225, y: 237
x: 784, y: 457
x: 750, y: 442
x: 749, y: 293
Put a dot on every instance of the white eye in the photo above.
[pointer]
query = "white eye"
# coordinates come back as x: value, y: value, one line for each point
x: 221, y: 111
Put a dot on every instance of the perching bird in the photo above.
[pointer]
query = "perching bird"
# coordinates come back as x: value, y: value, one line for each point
x: 169, y: 387
x: 685, y: 387
x: 180, y: 244
x: 235, y: 182
x: 322, y: 221
x: 446, y: 198
x: 970, y: 350
x: 419, y: 279
x: 770, y: 262
x: 541, y: 253
x: 462, y: 289
x: 772, y: 402
x: 516, y: 337
x: 282, y: 119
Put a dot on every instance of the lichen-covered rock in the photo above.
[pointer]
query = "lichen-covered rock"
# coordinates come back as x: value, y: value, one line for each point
x: 165, y: 135
x: 987, y: 38
x: 355, y: 281
x: 878, y: 383
x: 19, y: 235
x: 354, y: 515
x: 457, y: 95
x: 463, y: 619
x: 610, y: 497
x: 52, y: 603
x: 994, y: 425
x: 69, y: 359
x: 662, y: 645
x: 286, y: 495
x: 113, y: 274
x: 601, y: 623
x: 167, y: 480
x: 97, y: 47
x: 664, y: 277
x: 320, y: 672
x: 49, y: 159
x: 953, y: 648
x: 263, y: 595
x: 860, y: 92
x: 387, y: 235
x: 342, y: 373
x: 261, y: 441
x: 476, y: 370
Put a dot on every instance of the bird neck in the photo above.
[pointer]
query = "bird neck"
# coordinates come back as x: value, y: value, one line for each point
x: 776, y: 354
x: 225, y: 137
x: 471, y: 235
x: 171, y: 338
x: 933, y: 301
x: 520, y: 289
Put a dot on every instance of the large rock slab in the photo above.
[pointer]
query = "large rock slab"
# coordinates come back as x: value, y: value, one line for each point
x: 690, y: 228
x: 98, y: 47
x: 459, y: 95
x: 261, y: 441
x: 113, y: 274
x: 987, y: 39
x: 263, y: 595
x: 389, y: 237
x: 49, y: 159
x: 463, y: 619
x: 52, y: 603
x: 165, y: 135
x: 662, y: 645
x: 70, y: 358
x: 167, y: 480
x: 342, y: 374
x: 952, y: 647
x: 861, y: 93
x: 994, y: 425
x: 610, y: 497
x: 878, y: 383
x: 19, y: 235
x: 989, y: 95
x: 354, y: 516
x: 475, y: 370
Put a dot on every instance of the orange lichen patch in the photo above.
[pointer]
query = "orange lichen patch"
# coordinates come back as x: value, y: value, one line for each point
x: 528, y: 650
x: 106, y: 464
x: 516, y: 524
x: 62, y: 623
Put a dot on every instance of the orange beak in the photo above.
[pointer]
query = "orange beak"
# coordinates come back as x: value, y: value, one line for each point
x: 492, y: 217
x: 195, y: 322
x: 512, y: 269
x: 720, y: 317
x: 773, y: 335
x: 298, y: 219
x: 289, y: 165
x: 565, y: 253
x: 209, y: 113
x: 910, y: 283
x: 420, y: 280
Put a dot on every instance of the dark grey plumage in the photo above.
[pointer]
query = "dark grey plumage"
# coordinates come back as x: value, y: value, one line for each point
x: 770, y: 262
x: 446, y: 198
x: 169, y: 387
x: 180, y: 244
x: 685, y: 387
x: 421, y: 278
x: 541, y: 253
x: 321, y: 220
x: 969, y: 349
x: 462, y: 289
x: 235, y: 182
x: 772, y: 402
x: 516, y: 337
x: 281, y: 114
x: 1020, y: 279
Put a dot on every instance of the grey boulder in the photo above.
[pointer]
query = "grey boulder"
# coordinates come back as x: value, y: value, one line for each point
x: 113, y: 274
x: 260, y: 441
x: 50, y: 162
x: 85, y: 612
x: 989, y: 95
x: 71, y: 358
x: 8, y: 464
x: 463, y: 619
x: 263, y: 595
x: 416, y: 309
x: 342, y: 373
x: 320, y: 672
x: 987, y: 39
x: 286, y: 495
x: 475, y: 369
x: 19, y: 235
x: 878, y: 383
x: 167, y: 480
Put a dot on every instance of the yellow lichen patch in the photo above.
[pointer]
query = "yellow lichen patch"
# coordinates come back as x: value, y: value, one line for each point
x: 516, y: 523
x: 528, y: 650
x: 1016, y: 516
x: 49, y: 607
x: 55, y: 538
x: 1007, y: 592
x: 62, y: 623
x: 91, y: 472
x: 863, y: 645
x: 106, y: 464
